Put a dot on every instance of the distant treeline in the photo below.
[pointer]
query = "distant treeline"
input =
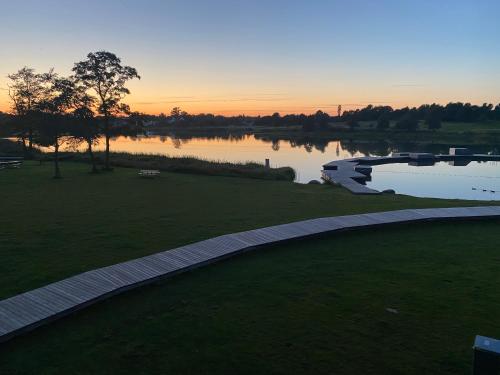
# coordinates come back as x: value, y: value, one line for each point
x: 383, y: 116
x: 405, y: 118
x: 451, y: 112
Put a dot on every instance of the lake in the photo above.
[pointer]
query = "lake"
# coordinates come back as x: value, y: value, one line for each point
x: 307, y: 155
x: 476, y: 181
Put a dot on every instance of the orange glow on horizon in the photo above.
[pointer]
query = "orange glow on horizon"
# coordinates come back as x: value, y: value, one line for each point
x: 153, y: 101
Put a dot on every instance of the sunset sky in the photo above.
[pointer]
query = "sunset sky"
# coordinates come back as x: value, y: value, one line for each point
x: 258, y: 57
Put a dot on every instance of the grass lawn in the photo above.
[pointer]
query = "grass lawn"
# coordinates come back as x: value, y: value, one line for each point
x: 486, y: 126
x: 310, y: 307
x: 472, y: 127
x: 307, y: 307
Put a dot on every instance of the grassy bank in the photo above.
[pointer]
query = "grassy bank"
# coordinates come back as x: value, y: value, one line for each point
x: 164, y: 163
x: 193, y: 165
x: 307, y: 307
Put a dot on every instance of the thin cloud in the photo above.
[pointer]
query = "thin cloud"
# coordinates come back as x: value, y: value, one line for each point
x: 408, y: 85
x: 375, y: 102
x: 222, y: 100
x: 177, y: 97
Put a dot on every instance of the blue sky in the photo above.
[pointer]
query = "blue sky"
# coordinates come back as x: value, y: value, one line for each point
x: 261, y: 56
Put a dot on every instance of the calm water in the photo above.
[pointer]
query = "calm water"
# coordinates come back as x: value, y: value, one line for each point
x: 477, y: 180
x: 307, y: 156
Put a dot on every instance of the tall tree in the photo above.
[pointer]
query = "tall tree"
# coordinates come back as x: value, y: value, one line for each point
x: 104, y: 73
x: 52, y: 115
x: 407, y: 122
x: 383, y: 122
x: 26, y: 89
x: 85, y: 126
x: 433, y: 118
x: 176, y: 113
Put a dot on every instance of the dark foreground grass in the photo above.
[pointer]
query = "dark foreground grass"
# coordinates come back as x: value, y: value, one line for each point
x: 308, y: 307
x: 51, y: 229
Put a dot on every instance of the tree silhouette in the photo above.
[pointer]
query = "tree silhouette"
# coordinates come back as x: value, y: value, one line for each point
x: 176, y: 112
x: 52, y: 114
x: 433, y: 118
x: 26, y: 89
x: 85, y: 126
x: 321, y: 119
x: 383, y: 122
x: 104, y: 73
x: 408, y: 122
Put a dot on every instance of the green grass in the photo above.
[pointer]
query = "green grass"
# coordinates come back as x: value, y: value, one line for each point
x: 448, y: 129
x: 51, y: 229
x: 188, y: 164
x: 479, y: 127
x: 454, y: 127
x: 309, y: 307
x: 305, y: 307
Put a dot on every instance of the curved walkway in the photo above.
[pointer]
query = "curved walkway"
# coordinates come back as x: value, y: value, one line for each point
x: 29, y: 310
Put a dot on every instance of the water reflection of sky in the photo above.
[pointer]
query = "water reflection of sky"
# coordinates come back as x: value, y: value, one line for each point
x: 477, y: 180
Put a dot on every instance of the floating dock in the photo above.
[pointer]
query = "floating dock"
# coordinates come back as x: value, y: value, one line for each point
x: 354, y: 172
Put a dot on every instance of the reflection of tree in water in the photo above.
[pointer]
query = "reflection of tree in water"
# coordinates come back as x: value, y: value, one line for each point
x: 276, y: 145
x: 377, y: 148
x: 381, y: 148
x: 320, y: 143
x: 176, y: 142
x: 308, y: 147
x: 308, y: 143
x: 236, y: 137
x: 186, y: 138
x: 349, y: 146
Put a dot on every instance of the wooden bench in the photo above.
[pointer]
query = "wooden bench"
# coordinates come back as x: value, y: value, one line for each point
x: 10, y: 164
x: 149, y: 173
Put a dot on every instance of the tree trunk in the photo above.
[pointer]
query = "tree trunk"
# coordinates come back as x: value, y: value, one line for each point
x: 30, y: 142
x: 25, y: 148
x: 106, y: 155
x: 57, y: 172
x: 91, y: 154
x: 106, y: 160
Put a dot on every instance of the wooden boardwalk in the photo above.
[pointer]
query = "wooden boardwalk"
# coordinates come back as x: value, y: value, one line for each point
x: 29, y: 310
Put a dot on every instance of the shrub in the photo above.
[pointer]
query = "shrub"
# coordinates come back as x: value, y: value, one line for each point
x: 407, y: 122
x: 433, y: 120
x: 353, y: 124
x: 383, y: 123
